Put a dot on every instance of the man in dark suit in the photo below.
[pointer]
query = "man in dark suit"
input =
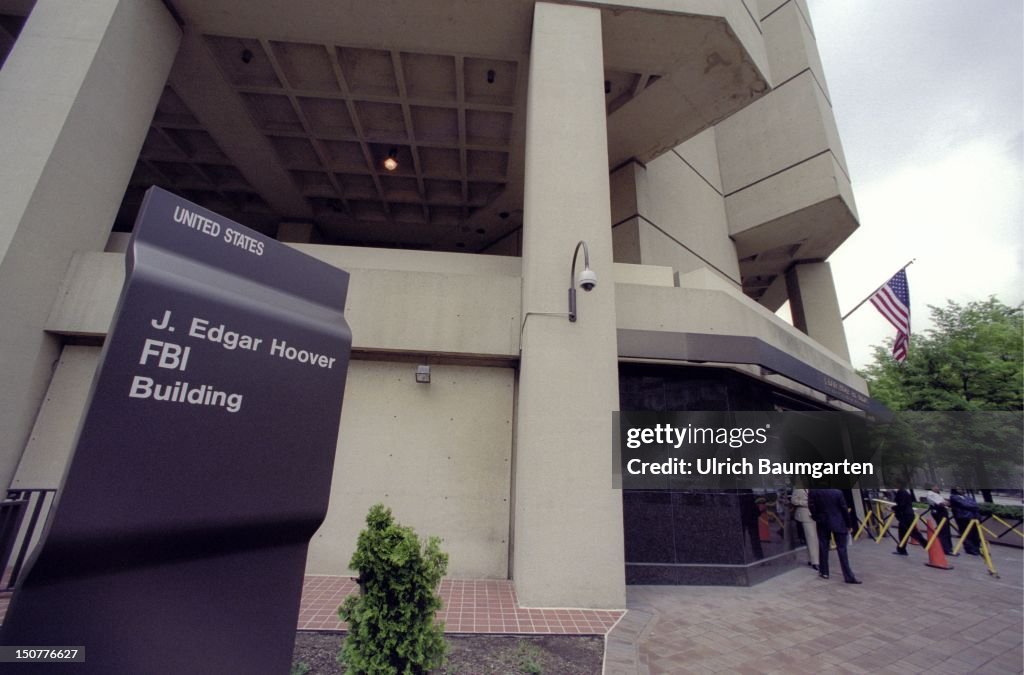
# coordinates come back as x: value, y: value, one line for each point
x: 828, y: 507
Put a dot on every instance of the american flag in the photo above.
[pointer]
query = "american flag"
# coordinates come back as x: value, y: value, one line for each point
x: 893, y: 301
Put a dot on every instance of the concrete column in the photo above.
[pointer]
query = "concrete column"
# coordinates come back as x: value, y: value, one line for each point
x: 77, y: 95
x: 567, y: 548
x: 812, y: 299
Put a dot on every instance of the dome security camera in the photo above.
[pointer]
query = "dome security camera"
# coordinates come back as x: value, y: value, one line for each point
x: 588, y: 279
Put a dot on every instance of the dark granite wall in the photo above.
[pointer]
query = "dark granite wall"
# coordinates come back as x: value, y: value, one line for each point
x: 704, y: 537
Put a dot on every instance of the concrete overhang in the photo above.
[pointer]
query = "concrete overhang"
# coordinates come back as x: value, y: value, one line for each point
x: 767, y: 251
x: 293, y: 105
x: 700, y: 68
x: 704, y: 305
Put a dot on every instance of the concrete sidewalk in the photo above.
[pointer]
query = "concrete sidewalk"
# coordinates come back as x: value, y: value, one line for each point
x: 905, y: 618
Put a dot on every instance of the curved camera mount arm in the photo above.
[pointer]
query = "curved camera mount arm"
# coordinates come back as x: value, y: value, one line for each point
x: 572, y: 276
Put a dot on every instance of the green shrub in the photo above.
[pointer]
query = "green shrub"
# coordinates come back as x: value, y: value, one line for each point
x: 1004, y: 511
x: 529, y: 658
x: 391, y: 621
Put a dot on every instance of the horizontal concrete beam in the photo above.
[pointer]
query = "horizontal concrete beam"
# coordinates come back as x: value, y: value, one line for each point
x: 706, y: 304
x: 399, y: 301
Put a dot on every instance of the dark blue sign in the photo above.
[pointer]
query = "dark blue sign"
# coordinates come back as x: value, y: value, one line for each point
x: 203, y: 464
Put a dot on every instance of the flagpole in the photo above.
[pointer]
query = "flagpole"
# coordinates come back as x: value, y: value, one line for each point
x: 872, y: 293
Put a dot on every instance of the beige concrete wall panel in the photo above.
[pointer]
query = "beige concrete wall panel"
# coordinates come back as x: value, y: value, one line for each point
x: 691, y: 214
x: 766, y: 7
x: 439, y: 455
x: 706, y: 305
x: 661, y: 249
x: 419, y: 311
x: 53, y: 436
x: 701, y: 152
x: 398, y: 260
x: 832, y: 132
x: 809, y: 183
x: 815, y: 307
x: 88, y: 295
x: 791, y: 46
x: 771, y: 134
x: 77, y: 94
x: 568, y: 547
x: 644, y: 275
x: 626, y: 242
x: 623, y: 187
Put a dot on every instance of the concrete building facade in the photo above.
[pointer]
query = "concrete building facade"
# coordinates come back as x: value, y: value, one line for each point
x: 690, y: 143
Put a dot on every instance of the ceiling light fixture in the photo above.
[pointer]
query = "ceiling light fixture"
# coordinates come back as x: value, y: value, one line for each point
x: 391, y: 162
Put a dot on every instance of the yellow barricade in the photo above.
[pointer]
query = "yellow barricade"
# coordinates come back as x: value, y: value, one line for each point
x: 875, y: 518
x: 910, y: 530
x: 985, y: 553
x: 1007, y: 525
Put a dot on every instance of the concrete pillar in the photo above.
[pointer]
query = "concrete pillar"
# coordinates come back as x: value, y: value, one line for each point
x: 77, y: 95
x: 812, y: 299
x: 567, y: 548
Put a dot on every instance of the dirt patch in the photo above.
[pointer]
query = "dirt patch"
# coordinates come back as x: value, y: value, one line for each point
x: 316, y: 654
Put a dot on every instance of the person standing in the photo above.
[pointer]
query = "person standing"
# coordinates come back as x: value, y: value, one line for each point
x: 831, y: 514
x: 802, y: 515
x: 965, y: 509
x: 939, y: 512
x: 904, y: 511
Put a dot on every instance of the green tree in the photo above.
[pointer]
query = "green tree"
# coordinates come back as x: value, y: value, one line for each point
x: 391, y: 621
x: 971, y: 361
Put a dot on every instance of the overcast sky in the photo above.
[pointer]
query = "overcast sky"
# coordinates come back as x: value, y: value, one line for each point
x: 927, y: 95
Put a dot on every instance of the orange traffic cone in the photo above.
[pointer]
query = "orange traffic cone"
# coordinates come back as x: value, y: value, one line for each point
x: 936, y: 557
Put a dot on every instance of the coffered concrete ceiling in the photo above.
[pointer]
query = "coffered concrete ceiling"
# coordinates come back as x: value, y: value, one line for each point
x: 277, y: 111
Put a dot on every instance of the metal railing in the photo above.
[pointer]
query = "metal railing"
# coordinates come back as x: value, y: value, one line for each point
x: 22, y: 517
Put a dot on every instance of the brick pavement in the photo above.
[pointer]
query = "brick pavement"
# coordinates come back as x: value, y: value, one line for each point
x: 468, y: 606
x: 905, y: 618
